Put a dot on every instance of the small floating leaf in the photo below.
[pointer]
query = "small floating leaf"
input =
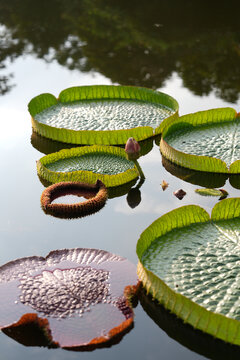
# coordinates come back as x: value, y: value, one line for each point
x: 190, y: 264
x: 88, y: 164
x: 179, y: 194
x: 164, y: 185
x: 101, y: 114
x: 212, y: 192
x: 77, y: 297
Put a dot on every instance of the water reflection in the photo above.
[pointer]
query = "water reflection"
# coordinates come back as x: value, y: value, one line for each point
x: 186, y: 335
x: 129, y: 42
x: 32, y: 333
x: 134, y: 195
x: 205, y: 179
x: 48, y: 146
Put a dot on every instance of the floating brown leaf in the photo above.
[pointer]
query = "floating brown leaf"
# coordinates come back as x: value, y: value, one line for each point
x: 77, y: 299
x: 179, y: 194
x: 164, y: 185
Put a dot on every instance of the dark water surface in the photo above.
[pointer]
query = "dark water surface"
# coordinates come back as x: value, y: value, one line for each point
x: 189, y: 51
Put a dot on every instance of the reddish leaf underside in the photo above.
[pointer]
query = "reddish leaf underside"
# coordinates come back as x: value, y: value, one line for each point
x: 76, y: 299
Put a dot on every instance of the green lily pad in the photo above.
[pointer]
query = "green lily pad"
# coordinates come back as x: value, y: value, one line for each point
x: 88, y: 164
x: 197, y: 341
x: 212, y: 192
x: 101, y: 114
x: 205, y: 141
x: 190, y: 264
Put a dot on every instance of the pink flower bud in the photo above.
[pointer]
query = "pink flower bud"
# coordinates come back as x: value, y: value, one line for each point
x: 132, y: 148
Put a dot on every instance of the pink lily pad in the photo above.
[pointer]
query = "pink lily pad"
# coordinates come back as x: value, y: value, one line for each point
x: 75, y: 298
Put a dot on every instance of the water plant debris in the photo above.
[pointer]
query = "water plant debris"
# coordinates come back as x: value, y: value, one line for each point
x: 179, y: 194
x: 164, y: 185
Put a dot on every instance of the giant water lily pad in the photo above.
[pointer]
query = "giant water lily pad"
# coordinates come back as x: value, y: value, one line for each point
x: 205, y: 141
x: 195, y: 340
x: 101, y: 114
x: 190, y: 264
x: 75, y: 299
x: 88, y: 164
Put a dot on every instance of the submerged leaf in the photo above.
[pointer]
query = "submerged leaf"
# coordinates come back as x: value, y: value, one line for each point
x: 77, y: 298
x: 190, y: 264
x: 101, y: 114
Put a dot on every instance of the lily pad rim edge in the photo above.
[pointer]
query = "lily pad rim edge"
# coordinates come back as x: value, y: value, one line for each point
x: 215, y: 324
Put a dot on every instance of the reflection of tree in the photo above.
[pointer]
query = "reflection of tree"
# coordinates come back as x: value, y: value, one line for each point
x: 9, y: 50
x: 132, y: 42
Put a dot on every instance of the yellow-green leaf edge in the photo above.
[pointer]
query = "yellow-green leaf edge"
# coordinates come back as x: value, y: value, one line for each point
x: 82, y: 175
x: 200, y: 163
x: 217, y: 325
x: 91, y: 137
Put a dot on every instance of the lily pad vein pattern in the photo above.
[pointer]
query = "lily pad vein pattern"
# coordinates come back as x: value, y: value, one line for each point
x: 97, y: 163
x: 201, y: 262
x: 221, y: 141
x: 103, y: 115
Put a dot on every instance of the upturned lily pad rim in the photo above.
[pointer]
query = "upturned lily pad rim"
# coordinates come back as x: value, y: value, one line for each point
x: 195, y: 162
x: 197, y: 341
x: 82, y: 257
x: 97, y: 92
x: 217, y: 325
x: 76, y: 210
x: 85, y: 175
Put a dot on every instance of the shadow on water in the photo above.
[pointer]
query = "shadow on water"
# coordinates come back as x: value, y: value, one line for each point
x: 186, y: 335
x: 48, y: 146
x: 201, y: 178
x: 153, y: 41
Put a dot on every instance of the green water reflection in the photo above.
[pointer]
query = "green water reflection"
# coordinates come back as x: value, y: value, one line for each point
x: 131, y: 43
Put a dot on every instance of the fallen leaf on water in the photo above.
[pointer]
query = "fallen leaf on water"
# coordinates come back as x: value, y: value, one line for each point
x: 164, y: 185
x: 76, y: 299
x: 212, y: 192
x: 179, y: 194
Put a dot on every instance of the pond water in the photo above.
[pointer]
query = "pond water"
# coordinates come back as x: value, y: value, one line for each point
x: 47, y: 47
